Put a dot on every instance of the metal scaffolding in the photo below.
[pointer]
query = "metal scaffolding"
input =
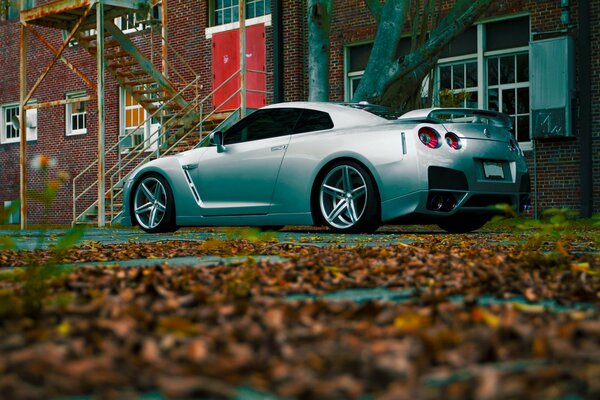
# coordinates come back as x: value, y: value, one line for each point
x: 71, y: 16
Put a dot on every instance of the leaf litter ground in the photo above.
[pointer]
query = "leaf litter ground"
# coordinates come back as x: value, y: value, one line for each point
x: 413, y: 315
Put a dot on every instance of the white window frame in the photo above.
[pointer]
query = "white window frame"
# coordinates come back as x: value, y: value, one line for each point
x: 69, y: 131
x: 209, y: 32
x: 462, y: 60
x: 14, y: 217
x: 31, y: 130
x: 504, y: 86
x: 149, y: 130
x: 351, y: 76
x: 481, y: 57
x: 233, y: 9
x: 138, y: 26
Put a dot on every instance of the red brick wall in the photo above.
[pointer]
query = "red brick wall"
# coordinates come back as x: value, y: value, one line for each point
x: 557, y: 161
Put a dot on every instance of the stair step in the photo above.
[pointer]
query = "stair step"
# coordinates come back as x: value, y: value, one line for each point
x: 117, y: 65
x: 147, y: 91
x: 116, y: 55
x: 139, y: 82
x: 139, y: 73
x: 89, y: 38
x: 157, y: 99
x: 107, y: 45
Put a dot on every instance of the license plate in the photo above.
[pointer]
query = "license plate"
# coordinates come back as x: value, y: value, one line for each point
x: 493, y: 170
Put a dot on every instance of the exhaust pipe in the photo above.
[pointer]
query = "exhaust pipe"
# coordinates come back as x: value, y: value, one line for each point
x: 449, y: 202
x: 436, y: 202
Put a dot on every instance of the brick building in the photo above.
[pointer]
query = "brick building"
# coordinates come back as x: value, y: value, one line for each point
x: 491, y: 61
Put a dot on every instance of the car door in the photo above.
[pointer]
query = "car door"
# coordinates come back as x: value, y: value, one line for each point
x: 240, y: 179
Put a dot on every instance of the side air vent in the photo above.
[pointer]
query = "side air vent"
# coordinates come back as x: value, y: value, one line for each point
x: 190, y: 183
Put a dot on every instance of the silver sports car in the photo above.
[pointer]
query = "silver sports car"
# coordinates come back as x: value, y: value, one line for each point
x: 352, y: 167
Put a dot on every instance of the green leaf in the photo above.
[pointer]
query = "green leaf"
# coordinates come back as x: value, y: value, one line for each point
x: 6, y: 243
x: 71, y: 238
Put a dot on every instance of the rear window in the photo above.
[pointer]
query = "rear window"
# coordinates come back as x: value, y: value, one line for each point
x: 380, y: 111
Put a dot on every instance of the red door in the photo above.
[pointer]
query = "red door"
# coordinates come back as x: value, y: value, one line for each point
x: 226, y: 61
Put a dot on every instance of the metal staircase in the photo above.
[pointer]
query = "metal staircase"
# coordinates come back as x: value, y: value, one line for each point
x: 177, y: 105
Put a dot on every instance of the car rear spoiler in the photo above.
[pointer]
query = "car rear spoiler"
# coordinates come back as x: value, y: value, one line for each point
x: 462, y: 115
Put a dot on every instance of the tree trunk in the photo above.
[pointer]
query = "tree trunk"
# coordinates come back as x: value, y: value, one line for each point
x: 391, y: 81
x: 383, y: 53
x: 375, y: 8
x: 319, y: 24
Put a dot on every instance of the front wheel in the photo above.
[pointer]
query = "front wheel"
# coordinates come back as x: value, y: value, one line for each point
x: 153, y: 206
x: 348, y: 200
x: 463, y: 223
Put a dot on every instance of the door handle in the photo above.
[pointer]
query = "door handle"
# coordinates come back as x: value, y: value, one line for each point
x: 276, y: 148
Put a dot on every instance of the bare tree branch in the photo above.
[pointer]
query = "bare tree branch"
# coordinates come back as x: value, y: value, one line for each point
x: 375, y: 7
x: 393, y: 82
x: 319, y: 26
x: 387, y: 40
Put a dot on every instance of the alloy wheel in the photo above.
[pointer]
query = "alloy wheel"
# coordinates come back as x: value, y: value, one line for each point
x: 150, y: 203
x: 343, y: 197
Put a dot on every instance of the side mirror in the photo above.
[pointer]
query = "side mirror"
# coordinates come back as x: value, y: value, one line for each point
x: 216, y: 139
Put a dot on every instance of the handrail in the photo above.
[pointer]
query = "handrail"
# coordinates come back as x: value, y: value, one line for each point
x: 163, y: 132
x: 118, y: 144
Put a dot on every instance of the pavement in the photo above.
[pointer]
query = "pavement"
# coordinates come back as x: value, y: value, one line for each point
x: 305, y: 236
x: 308, y: 236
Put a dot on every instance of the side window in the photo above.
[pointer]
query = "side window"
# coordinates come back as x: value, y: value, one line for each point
x: 263, y: 124
x: 313, y: 120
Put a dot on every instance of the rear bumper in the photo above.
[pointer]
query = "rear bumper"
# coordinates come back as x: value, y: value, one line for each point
x: 451, y: 192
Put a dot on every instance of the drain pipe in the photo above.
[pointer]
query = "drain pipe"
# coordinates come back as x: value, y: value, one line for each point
x: 535, y: 182
x: 277, y: 14
x: 585, y: 104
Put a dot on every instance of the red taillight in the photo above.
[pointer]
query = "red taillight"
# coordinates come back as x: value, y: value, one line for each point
x: 453, y: 140
x: 429, y: 137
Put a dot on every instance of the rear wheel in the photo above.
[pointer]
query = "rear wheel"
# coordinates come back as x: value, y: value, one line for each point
x: 463, y: 223
x: 153, y: 206
x: 348, y: 200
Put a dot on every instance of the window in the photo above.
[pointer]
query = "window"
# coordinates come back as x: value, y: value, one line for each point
x: 508, y: 90
x: 263, y: 124
x: 76, y: 115
x: 135, y: 124
x: 227, y: 11
x: 136, y: 21
x: 460, y: 78
x: 487, y: 66
x: 9, y: 123
x: 313, y: 120
x: 357, y: 57
x: 135, y: 115
x: 11, y: 9
x: 12, y: 213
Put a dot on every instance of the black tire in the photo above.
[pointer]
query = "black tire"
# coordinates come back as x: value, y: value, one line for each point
x: 347, y: 200
x: 463, y: 223
x: 152, y: 197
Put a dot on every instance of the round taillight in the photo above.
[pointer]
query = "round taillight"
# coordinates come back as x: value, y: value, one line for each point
x: 453, y: 140
x: 429, y: 137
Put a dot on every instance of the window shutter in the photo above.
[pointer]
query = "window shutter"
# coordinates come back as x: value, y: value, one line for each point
x: 551, y: 84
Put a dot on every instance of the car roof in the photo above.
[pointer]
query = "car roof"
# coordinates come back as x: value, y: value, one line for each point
x: 341, y: 115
